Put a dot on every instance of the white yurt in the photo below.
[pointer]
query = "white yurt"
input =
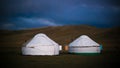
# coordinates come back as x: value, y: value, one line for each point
x: 84, y: 45
x: 40, y: 44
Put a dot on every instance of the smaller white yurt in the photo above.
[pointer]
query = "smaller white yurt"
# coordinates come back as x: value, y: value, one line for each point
x: 84, y: 45
x: 40, y: 44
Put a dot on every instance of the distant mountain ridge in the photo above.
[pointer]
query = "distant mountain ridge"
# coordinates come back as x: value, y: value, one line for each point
x: 62, y: 35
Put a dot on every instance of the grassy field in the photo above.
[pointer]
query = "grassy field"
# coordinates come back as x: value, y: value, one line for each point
x: 11, y: 43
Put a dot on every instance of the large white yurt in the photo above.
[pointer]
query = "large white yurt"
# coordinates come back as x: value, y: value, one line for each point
x: 84, y: 45
x: 40, y: 44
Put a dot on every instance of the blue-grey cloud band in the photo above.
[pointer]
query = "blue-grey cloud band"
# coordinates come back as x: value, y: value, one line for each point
x: 61, y: 12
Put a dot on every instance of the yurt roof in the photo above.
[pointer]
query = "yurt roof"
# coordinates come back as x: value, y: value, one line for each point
x: 40, y: 39
x: 84, y: 40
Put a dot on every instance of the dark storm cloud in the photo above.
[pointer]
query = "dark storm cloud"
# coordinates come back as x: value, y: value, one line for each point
x: 26, y: 7
x: 114, y: 2
x: 22, y: 7
x: 60, y: 11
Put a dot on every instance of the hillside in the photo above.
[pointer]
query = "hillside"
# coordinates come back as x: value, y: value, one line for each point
x: 11, y: 43
x: 62, y: 34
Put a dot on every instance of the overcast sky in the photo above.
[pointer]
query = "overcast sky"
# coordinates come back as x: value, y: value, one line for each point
x: 22, y: 14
